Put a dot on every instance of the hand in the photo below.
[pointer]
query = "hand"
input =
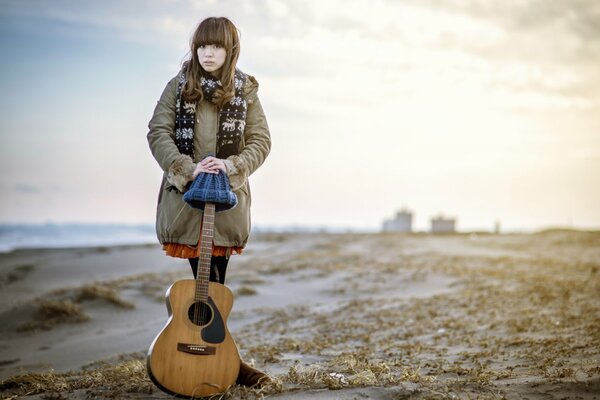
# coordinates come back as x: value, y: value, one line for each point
x: 211, y: 165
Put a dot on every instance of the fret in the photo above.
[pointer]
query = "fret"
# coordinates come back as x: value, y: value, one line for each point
x: 205, y: 248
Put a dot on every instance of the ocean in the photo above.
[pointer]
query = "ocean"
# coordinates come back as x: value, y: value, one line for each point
x: 51, y: 235
x: 54, y: 235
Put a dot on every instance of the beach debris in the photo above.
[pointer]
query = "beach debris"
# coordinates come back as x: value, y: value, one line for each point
x: 9, y: 361
x: 253, y: 281
x: 491, y: 334
x: 341, y: 379
x: 53, y: 312
x: 102, y: 382
x: 246, y: 291
x: 102, y: 292
x: 18, y: 273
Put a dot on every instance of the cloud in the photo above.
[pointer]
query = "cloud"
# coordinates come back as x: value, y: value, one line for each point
x: 528, y: 48
x: 26, y: 188
x: 158, y: 22
x: 422, y: 85
x: 574, y: 23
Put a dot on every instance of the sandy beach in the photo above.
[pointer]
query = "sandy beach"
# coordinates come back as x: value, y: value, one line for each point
x: 330, y: 316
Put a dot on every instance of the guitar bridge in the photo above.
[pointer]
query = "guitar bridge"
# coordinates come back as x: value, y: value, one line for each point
x: 196, y: 349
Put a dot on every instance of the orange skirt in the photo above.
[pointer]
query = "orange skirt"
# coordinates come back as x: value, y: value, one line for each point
x: 186, y: 251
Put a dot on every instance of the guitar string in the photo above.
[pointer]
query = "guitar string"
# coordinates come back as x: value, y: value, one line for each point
x: 197, y: 311
x: 196, y: 303
x: 201, y: 283
x: 209, y: 228
x: 202, y: 243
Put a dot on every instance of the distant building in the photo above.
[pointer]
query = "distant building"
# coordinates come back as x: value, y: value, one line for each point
x: 497, y: 227
x: 441, y: 224
x: 402, y: 222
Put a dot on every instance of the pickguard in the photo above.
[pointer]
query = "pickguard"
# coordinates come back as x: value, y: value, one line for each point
x: 215, y: 332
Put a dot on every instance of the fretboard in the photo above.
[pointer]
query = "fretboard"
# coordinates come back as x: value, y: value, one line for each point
x: 206, y: 239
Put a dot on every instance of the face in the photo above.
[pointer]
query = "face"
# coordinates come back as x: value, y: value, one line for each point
x: 211, y: 57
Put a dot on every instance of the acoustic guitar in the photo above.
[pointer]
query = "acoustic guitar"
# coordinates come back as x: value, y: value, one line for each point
x: 194, y: 355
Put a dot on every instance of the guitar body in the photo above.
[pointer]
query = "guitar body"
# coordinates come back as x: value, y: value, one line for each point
x: 195, y: 355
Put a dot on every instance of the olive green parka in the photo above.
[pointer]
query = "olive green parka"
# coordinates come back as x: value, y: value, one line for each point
x: 176, y: 222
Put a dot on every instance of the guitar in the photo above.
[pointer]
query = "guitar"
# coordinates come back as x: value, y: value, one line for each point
x: 194, y: 355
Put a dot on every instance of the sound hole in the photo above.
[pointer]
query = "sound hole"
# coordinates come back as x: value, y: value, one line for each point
x: 200, y: 313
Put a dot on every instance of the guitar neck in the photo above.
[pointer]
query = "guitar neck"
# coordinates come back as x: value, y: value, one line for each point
x: 206, y: 239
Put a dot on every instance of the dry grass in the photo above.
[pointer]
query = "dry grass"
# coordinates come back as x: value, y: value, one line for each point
x: 108, y: 381
x: 253, y: 281
x: 520, y: 321
x: 66, y: 305
x: 246, y: 291
x: 527, y: 316
x: 50, y: 313
x: 102, y: 292
x: 18, y: 273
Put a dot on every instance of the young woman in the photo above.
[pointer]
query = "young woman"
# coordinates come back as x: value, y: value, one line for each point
x: 209, y: 118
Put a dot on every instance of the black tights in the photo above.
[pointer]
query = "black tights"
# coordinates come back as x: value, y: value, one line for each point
x: 218, y: 268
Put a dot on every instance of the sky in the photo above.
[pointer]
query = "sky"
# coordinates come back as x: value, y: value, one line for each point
x: 481, y: 111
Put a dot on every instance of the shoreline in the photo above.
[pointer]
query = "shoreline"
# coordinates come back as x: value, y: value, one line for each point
x: 261, y: 233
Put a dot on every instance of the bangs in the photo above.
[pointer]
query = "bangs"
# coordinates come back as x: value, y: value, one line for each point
x: 221, y: 32
x: 212, y: 32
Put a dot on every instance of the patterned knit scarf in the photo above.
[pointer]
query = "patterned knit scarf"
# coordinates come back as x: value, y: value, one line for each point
x: 232, y: 117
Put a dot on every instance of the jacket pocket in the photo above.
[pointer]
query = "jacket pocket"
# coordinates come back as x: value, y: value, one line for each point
x: 176, y: 221
x: 232, y: 227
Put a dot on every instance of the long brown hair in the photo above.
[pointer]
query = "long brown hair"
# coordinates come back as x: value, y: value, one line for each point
x: 222, y: 32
